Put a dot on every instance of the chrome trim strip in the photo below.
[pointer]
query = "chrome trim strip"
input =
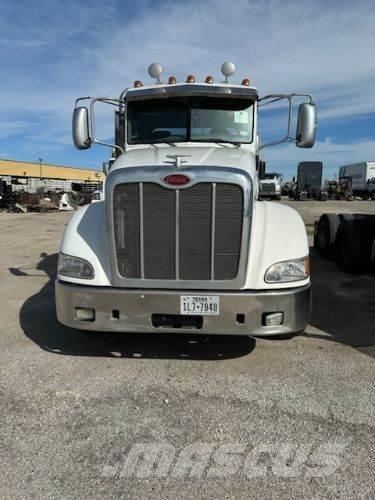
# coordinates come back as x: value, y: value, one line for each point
x: 177, y: 235
x: 141, y: 231
x: 213, y: 222
x: 229, y: 175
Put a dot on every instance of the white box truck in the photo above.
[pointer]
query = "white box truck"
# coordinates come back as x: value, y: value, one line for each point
x: 180, y: 242
x: 360, y: 175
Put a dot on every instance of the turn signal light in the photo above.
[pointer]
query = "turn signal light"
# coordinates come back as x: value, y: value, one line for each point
x: 138, y: 83
x: 209, y: 79
x: 171, y: 80
x: 190, y: 79
x: 246, y: 82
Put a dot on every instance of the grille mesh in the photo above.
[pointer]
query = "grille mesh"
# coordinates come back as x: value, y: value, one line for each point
x: 228, y: 230
x: 159, y: 221
x: 195, y: 224
x: 127, y: 231
x: 268, y: 187
x: 195, y: 232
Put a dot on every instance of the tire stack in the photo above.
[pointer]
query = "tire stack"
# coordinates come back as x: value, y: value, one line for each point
x: 349, y: 239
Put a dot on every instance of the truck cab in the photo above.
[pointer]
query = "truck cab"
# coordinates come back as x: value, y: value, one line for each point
x: 270, y: 186
x: 180, y: 242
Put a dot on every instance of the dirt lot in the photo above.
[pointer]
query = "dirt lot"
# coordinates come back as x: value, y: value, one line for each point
x: 232, y: 417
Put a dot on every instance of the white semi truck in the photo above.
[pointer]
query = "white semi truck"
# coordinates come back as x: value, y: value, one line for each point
x: 270, y: 186
x: 180, y: 242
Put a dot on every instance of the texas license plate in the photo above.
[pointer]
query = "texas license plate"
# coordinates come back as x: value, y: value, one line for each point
x: 206, y: 305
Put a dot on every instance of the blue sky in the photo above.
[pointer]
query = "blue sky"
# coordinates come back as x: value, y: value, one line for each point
x: 54, y: 51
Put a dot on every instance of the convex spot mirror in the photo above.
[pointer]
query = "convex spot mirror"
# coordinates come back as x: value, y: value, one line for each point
x: 80, y: 128
x: 306, y: 126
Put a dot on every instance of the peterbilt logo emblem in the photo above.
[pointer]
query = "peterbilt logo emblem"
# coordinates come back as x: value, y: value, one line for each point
x: 177, y: 179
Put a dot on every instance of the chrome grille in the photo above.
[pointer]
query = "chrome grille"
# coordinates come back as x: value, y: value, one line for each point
x: 127, y: 229
x: 158, y: 231
x: 228, y: 230
x: 178, y: 234
x: 195, y: 232
x: 268, y: 187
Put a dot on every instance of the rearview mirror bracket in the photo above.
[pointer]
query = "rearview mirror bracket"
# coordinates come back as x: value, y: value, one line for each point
x: 269, y: 99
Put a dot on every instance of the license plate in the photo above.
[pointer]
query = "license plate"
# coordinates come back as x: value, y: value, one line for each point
x: 206, y: 305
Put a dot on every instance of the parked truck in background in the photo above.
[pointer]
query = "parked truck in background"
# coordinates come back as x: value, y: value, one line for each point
x: 270, y: 186
x: 180, y: 242
x: 361, y: 176
x: 309, y: 180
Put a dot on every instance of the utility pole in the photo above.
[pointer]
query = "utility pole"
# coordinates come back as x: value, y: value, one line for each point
x: 40, y: 168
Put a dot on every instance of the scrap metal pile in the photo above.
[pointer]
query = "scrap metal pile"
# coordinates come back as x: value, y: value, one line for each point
x: 45, y: 201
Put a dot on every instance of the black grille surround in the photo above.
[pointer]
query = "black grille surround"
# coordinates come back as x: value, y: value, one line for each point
x: 189, y: 234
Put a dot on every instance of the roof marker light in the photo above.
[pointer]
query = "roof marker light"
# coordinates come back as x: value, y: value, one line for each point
x: 228, y: 69
x: 246, y: 82
x: 171, y: 80
x: 138, y: 83
x: 155, y: 70
x: 190, y: 79
x: 209, y: 79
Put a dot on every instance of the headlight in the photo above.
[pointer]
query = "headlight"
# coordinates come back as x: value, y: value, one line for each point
x: 74, y: 267
x: 290, y: 270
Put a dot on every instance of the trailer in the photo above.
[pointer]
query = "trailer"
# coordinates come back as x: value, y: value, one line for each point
x: 309, y: 180
x: 181, y: 242
x: 361, y: 176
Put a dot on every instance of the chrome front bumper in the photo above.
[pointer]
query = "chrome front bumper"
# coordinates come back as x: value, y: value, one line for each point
x: 134, y: 309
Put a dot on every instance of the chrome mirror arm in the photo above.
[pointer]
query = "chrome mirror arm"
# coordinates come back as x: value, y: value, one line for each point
x: 278, y: 97
x: 107, y: 100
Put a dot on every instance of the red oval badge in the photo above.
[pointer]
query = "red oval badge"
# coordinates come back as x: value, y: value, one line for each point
x: 177, y: 179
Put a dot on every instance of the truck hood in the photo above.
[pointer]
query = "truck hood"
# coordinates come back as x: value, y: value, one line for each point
x: 210, y: 156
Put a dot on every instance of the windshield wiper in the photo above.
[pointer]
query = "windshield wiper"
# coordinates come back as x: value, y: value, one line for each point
x: 172, y: 143
x: 221, y: 142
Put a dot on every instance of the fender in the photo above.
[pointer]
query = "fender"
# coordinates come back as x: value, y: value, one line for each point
x: 278, y: 234
x: 86, y: 236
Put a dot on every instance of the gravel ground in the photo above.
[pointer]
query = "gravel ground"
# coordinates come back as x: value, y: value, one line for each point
x: 164, y: 416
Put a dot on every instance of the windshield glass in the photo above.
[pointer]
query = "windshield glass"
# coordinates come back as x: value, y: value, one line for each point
x: 185, y: 119
x: 270, y: 176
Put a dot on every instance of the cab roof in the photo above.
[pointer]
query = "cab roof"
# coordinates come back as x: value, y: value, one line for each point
x: 163, y: 90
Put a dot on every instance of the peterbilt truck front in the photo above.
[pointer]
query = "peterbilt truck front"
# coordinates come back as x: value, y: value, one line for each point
x: 181, y: 242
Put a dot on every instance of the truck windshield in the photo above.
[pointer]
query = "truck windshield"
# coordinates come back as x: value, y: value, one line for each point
x: 270, y: 176
x: 186, y: 119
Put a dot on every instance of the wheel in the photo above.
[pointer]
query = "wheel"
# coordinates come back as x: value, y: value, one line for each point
x: 278, y: 197
x: 354, y: 242
x: 373, y: 195
x: 326, y: 235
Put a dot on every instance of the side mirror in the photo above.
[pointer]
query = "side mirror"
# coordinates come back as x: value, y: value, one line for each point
x: 80, y: 128
x: 262, y: 169
x: 306, y: 126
